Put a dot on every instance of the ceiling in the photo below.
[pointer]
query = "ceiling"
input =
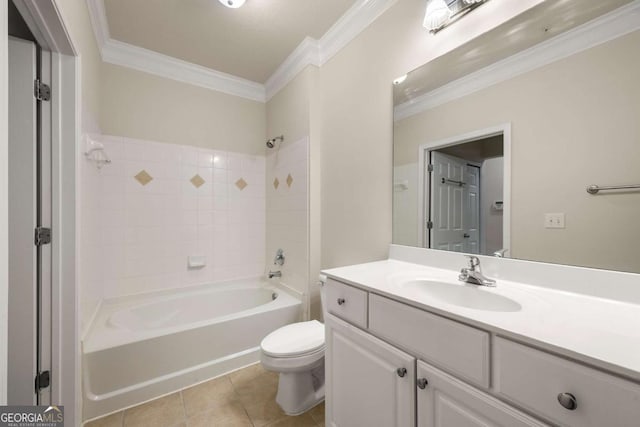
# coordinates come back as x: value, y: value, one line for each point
x: 540, y: 23
x: 249, y: 42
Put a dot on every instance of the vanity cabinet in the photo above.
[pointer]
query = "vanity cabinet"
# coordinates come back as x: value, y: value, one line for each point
x: 394, y: 365
x: 371, y: 382
x: 590, y: 398
x: 460, y: 349
x: 444, y: 401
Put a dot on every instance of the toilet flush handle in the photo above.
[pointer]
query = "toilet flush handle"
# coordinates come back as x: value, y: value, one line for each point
x: 341, y: 301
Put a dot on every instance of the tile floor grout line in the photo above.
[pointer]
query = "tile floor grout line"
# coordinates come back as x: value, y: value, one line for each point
x: 235, y: 392
x: 184, y: 408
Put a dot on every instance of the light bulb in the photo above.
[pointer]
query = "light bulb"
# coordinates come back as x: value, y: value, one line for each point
x: 233, y: 4
x: 436, y: 15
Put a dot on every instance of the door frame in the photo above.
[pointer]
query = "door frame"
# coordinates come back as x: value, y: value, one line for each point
x: 423, y: 153
x: 45, y: 21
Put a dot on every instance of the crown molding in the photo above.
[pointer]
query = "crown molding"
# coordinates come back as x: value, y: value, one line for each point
x: 127, y: 55
x: 318, y: 52
x: 309, y: 52
x: 608, y: 27
x: 350, y: 25
x: 137, y: 58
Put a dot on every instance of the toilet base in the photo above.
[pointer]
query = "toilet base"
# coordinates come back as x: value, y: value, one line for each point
x: 300, y: 391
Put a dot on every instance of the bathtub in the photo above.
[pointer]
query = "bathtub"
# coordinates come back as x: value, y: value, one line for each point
x: 141, y: 347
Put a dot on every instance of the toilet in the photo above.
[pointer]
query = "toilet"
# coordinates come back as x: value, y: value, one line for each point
x: 296, y: 352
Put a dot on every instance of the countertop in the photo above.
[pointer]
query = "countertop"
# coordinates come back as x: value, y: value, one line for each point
x: 597, y: 331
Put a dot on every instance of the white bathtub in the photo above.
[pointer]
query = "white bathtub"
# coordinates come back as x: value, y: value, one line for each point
x: 142, y: 347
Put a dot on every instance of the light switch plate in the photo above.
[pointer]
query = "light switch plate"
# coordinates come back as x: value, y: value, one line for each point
x: 554, y: 220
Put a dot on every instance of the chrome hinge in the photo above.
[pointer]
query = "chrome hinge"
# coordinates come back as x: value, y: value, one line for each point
x: 429, y: 225
x: 429, y: 167
x: 41, y: 91
x: 43, y: 236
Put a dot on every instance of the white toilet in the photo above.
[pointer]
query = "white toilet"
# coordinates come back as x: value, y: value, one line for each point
x: 296, y: 351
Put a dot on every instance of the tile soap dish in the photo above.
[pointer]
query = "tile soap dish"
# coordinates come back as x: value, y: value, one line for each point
x: 196, y: 261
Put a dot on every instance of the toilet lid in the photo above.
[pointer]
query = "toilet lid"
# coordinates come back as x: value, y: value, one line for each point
x: 294, y: 340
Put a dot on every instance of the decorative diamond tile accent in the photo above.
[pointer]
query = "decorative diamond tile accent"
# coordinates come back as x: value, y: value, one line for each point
x: 241, y: 184
x: 289, y: 180
x: 197, y: 181
x: 143, y: 177
x: 276, y: 183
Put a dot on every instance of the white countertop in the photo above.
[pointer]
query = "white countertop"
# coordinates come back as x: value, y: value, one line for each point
x: 597, y: 331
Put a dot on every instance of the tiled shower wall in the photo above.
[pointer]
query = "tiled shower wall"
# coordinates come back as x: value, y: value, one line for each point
x: 155, y: 205
x: 288, y: 213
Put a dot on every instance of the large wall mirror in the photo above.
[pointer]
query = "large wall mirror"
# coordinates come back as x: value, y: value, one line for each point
x: 499, y: 143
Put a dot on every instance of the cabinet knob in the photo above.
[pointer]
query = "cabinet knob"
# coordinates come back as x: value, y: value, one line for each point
x: 341, y: 301
x: 401, y: 372
x: 422, y: 383
x: 568, y: 401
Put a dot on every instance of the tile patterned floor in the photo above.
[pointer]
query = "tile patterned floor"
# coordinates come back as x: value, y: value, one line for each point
x: 245, y: 398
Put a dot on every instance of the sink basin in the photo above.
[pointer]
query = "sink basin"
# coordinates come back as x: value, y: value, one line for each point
x: 469, y: 296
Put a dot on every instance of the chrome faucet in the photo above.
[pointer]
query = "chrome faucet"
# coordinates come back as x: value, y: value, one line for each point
x: 473, y: 274
x: 500, y: 253
x: 273, y: 274
x: 279, y: 259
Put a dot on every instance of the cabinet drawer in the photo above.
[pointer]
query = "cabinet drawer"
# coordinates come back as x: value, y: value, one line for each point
x: 534, y: 379
x: 347, y: 302
x: 445, y: 401
x: 452, y: 346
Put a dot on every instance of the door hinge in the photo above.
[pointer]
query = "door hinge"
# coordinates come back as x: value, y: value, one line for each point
x: 429, y: 167
x: 43, y: 380
x: 42, y: 236
x: 429, y: 225
x: 41, y: 91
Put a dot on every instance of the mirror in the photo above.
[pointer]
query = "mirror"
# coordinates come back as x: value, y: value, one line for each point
x: 497, y: 142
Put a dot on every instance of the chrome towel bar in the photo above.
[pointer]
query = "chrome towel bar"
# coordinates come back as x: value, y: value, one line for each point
x: 594, y: 189
x: 453, y: 181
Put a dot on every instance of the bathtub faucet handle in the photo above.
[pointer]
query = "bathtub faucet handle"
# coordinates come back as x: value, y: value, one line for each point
x: 279, y: 259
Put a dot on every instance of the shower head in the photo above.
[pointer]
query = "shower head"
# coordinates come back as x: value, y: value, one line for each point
x: 272, y: 142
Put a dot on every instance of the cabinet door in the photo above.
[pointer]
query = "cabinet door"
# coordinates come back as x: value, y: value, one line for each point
x: 447, y: 402
x: 369, y: 382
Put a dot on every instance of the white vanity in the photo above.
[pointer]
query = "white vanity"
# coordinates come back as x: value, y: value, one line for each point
x: 408, y: 344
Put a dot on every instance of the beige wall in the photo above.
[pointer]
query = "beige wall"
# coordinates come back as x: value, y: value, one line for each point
x: 574, y: 123
x: 140, y: 105
x: 288, y: 112
x: 129, y: 103
x: 293, y: 112
x: 356, y: 121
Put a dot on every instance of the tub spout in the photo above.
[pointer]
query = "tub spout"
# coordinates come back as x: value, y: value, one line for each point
x: 273, y: 274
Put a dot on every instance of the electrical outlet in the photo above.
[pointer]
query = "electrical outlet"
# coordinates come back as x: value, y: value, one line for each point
x: 554, y: 220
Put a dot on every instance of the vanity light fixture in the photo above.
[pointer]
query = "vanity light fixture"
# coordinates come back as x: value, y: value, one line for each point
x: 233, y: 4
x: 437, y: 14
x: 442, y: 13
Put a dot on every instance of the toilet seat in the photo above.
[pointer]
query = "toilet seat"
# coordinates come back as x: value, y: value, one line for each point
x: 295, y: 340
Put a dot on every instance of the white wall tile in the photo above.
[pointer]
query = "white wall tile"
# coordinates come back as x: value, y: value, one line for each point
x: 287, y: 212
x: 137, y: 238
